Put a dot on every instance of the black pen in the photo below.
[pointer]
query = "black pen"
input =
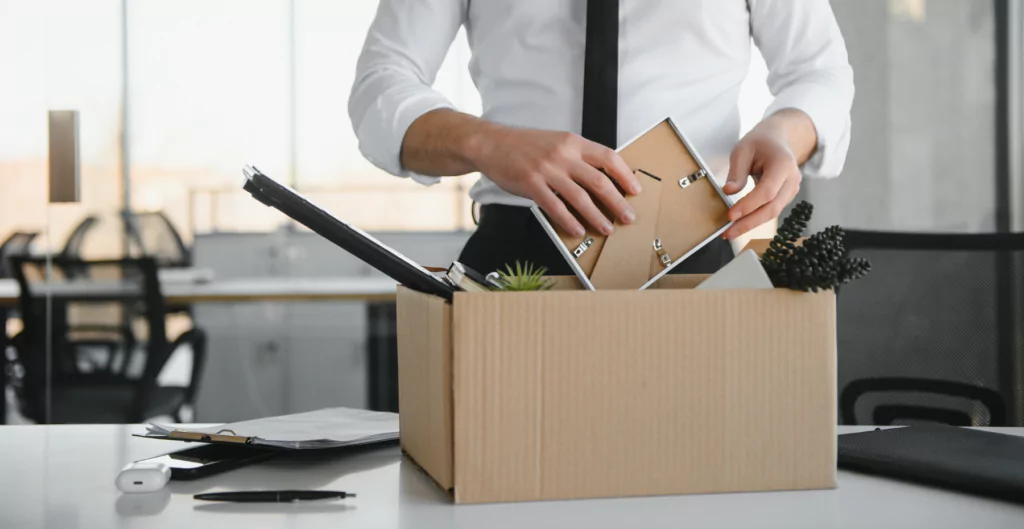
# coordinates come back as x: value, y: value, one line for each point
x: 274, y: 496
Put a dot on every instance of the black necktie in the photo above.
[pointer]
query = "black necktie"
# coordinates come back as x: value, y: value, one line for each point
x: 601, y: 73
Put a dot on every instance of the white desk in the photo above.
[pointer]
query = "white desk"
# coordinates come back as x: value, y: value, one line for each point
x: 178, y: 291
x: 63, y: 477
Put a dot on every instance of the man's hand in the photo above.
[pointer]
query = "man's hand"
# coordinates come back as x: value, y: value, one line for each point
x: 772, y: 152
x: 549, y: 167
x: 535, y: 164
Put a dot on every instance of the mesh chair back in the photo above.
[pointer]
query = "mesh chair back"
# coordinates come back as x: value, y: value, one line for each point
x: 155, y: 236
x: 73, y: 246
x: 103, y: 323
x: 18, y: 244
x: 934, y: 333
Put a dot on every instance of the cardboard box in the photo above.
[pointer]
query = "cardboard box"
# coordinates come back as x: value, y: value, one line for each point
x: 582, y: 394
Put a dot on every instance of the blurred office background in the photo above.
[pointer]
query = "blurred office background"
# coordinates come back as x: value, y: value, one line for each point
x: 175, y: 96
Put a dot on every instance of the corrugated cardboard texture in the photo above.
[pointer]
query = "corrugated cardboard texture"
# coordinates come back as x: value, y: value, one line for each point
x: 622, y: 266
x: 620, y: 393
x: 565, y: 283
x: 680, y: 281
x: 425, y: 382
x: 672, y: 281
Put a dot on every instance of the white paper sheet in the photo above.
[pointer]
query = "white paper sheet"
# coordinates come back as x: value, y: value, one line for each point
x: 744, y: 271
x: 327, y: 428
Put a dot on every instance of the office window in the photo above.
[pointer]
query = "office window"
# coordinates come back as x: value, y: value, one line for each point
x: 213, y: 86
x: 58, y: 55
x: 922, y: 156
x: 208, y: 94
x: 218, y: 85
x: 329, y: 36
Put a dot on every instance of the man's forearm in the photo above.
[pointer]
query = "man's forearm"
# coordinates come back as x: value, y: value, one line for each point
x: 544, y: 166
x: 445, y: 142
x: 798, y: 130
x: 441, y: 143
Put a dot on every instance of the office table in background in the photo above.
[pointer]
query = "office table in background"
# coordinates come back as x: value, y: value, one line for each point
x: 63, y: 476
x: 189, y: 286
x: 235, y: 290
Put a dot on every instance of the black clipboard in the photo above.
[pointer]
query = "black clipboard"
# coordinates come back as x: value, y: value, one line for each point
x: 222, y: 437
x: 972, y: 461
x: 348, y: 237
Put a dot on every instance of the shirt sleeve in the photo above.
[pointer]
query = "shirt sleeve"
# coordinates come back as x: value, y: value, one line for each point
x: 808, y: 70
x: 404, y: 48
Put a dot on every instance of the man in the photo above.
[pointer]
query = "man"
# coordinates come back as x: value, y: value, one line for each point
x: 550, y: 70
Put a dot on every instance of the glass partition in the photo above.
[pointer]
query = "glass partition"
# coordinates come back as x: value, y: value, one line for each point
x: 923, y: 152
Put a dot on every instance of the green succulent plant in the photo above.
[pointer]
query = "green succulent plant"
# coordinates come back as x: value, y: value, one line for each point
x: 524, y: 278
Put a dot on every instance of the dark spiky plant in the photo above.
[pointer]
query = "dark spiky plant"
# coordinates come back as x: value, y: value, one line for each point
x: 820, y: 263
x: 524, y: 278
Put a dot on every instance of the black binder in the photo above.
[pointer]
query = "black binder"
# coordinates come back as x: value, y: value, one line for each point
x: 352, y: 239
x: 972, y: 461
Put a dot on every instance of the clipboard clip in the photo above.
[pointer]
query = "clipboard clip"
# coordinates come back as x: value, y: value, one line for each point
x: 218, y: 437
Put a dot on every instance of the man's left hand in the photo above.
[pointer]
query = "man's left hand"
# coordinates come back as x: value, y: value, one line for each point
x: 772, y: 153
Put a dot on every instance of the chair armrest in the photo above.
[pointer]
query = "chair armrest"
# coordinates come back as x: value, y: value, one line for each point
x: 858, y: 388
x: 196, y: 339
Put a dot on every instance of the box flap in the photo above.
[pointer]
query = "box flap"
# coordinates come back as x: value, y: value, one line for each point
x: 619, y: 393
x: 679, y: 281
x: 564, y: 283
x: 425, y: 382
x: 671, y: 281
x: 759, y: 246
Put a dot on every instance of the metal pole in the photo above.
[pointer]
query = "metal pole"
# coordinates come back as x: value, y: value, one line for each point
x: 126, y: 181
x: 125, y: 152
x: 1015, y: 113
x: 292, y: 133
x: 1010, y: 331
x: 1014, y: 86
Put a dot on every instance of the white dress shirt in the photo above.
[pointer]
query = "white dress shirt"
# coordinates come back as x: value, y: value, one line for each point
x: 680, y: 58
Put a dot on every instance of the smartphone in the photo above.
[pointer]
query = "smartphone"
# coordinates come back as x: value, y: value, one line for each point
x: 207, y: 460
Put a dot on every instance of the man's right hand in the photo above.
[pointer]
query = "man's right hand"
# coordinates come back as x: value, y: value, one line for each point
x: 549, y: 167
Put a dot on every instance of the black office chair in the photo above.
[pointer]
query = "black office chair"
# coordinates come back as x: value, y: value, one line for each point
x: 155, y: 236
x: 73, y: 245
x: 76, y: 240
x: 152, y: 234
x: 107, y: 350
x: 382, y: 353
x: 934, y: 333
x: 18, y: 243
